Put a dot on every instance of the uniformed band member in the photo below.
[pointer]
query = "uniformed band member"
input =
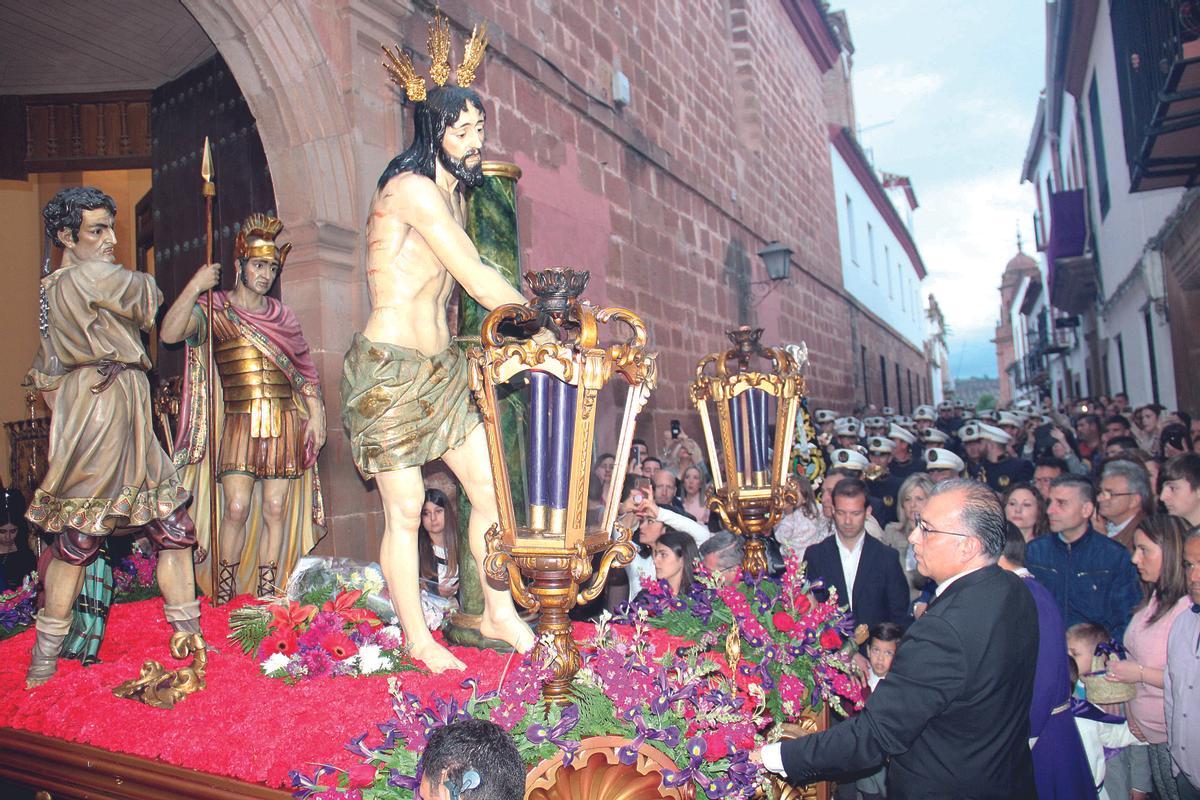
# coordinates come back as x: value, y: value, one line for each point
x: 882, y: 486
x: 974, y: 450
x: 923, y: 419
x: 876, y: 426
x: 1003, y: 470
x: 942, y: 465
x: 904, y: 461
x: 847, y: 432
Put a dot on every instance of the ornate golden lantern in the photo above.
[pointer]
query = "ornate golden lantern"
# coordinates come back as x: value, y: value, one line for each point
x: 551, y: 540
x: 756, y: 412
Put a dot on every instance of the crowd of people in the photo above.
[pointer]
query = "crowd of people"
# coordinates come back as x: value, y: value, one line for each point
x: 1096, y: 512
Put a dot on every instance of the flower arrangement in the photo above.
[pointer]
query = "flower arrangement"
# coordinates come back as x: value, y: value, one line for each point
x: 328, y: 637
x: 796, y: 648
x: 704, y: 678
x: 634, y: 683
x: 135, y: 578
x: 17, y: 607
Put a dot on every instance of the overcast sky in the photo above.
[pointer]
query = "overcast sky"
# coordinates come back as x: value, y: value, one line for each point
x: 945, y: 93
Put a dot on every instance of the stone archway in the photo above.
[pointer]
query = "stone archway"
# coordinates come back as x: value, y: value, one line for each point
x: 296, y: 64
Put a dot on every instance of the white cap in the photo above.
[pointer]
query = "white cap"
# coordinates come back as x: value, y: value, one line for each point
x: 934, y: 436
x: 896, y: 432
x: 970, y: 432
x: 945, y: 405
x: 988, y: 415
x: 845, y: 428
x: 875, y: 422
x: 937, y: 458
x: 824, y: 415
x: 903, y: 421
x: 887, y: 411
x: 848, y: 459
x: 1009, y: 418
x: 878, y: 444
x: 924, y: 413
x: 993, y: 434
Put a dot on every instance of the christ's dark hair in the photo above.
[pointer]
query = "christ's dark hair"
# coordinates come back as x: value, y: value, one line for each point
x: 479, y: 746
x: 431, y: 118
x: 65, y: 210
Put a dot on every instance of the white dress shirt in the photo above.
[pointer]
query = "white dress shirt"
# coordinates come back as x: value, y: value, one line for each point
x: 850, y: 557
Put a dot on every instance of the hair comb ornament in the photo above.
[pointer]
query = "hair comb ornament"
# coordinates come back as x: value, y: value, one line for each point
x: 403, y: 71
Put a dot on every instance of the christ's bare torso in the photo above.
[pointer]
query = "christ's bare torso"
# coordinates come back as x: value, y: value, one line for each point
x: 409, y: 284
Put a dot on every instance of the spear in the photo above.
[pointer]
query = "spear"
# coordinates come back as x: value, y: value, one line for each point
x: 214, y: 550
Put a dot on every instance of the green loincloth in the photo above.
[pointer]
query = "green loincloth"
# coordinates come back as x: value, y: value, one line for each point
x: 403, y: 408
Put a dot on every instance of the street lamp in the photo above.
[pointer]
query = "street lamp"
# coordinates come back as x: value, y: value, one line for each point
x: 777, y: 258
x: 549, y: 540
x: 756, y: 418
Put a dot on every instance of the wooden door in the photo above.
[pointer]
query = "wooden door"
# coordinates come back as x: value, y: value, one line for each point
x: 205, y: 101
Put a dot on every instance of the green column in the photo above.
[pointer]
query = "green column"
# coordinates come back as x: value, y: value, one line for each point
x: 492, y: 226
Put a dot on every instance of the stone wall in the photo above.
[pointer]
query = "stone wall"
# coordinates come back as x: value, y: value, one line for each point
x: 722, y: 149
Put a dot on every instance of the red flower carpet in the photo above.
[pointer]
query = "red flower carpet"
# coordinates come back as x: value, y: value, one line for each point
x: 243, y: 724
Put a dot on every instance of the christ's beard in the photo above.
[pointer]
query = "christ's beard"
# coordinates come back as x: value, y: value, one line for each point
x: 469, y: 176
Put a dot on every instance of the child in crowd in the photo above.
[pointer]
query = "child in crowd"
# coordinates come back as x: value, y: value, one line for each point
x: 1125, y: 772
x: 881, y: 651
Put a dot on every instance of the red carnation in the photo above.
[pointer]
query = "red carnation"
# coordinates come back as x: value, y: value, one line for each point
x: 803, y: 604
x: 339, y: 646
x: 783, y: 622
x: 831, y: 639
x: 361, y: 775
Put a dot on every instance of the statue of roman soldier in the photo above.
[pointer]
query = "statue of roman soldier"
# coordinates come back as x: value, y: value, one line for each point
x: 270, y: 420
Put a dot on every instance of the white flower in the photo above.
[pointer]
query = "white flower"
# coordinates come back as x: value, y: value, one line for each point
x: 371, y: 659
x: 276, y: 662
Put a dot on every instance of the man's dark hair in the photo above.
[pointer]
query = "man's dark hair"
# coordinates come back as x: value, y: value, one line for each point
x: 727, y: 547
x: 475, y: 745
x: 655, y: 459
x: 980, y: 513
x: 1014, y: 545
x: 1053, y: 462
x: 431, y: 118
x: 1117, y: 419
x: 850, y: 487
x: 842, y: 472
x: 65, y: 210
x: 1185, y: 467
x: 1089, y: 417
x: 886, y: 632
x: 1087, y: 489
x: 1123, y: 443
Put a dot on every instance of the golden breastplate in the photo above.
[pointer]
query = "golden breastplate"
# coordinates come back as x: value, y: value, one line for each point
x: 253, y: 385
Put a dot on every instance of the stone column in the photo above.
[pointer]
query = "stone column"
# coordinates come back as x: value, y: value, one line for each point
x: 492, y: 226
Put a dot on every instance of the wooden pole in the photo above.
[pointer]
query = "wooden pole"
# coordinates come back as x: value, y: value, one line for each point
x: 214, y: 530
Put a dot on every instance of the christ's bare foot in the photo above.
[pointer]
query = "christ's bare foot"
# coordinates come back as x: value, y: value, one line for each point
x: 435, y: 657
x: 33, y: 683
x: 511, y: 629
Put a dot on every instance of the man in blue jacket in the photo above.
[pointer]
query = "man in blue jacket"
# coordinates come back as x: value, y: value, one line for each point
x: 1091, y: 576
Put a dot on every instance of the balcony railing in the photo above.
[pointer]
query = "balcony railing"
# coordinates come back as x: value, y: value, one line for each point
x: 1157, y: 48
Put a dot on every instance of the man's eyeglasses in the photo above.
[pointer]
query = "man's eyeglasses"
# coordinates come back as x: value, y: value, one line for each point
x: 925, y: 530
x: 1105, y: 493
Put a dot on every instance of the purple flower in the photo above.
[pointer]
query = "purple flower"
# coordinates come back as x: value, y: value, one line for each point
x: 316, y: 661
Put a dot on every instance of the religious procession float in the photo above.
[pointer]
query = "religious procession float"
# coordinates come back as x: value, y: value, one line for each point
x: 314, y: 691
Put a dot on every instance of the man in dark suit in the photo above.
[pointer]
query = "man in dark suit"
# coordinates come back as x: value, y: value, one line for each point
x: 864, y: 570
x: 953, y: 714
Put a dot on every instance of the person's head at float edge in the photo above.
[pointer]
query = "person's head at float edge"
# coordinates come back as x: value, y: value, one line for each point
x: 80, y: 221
x: 474, y: 759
